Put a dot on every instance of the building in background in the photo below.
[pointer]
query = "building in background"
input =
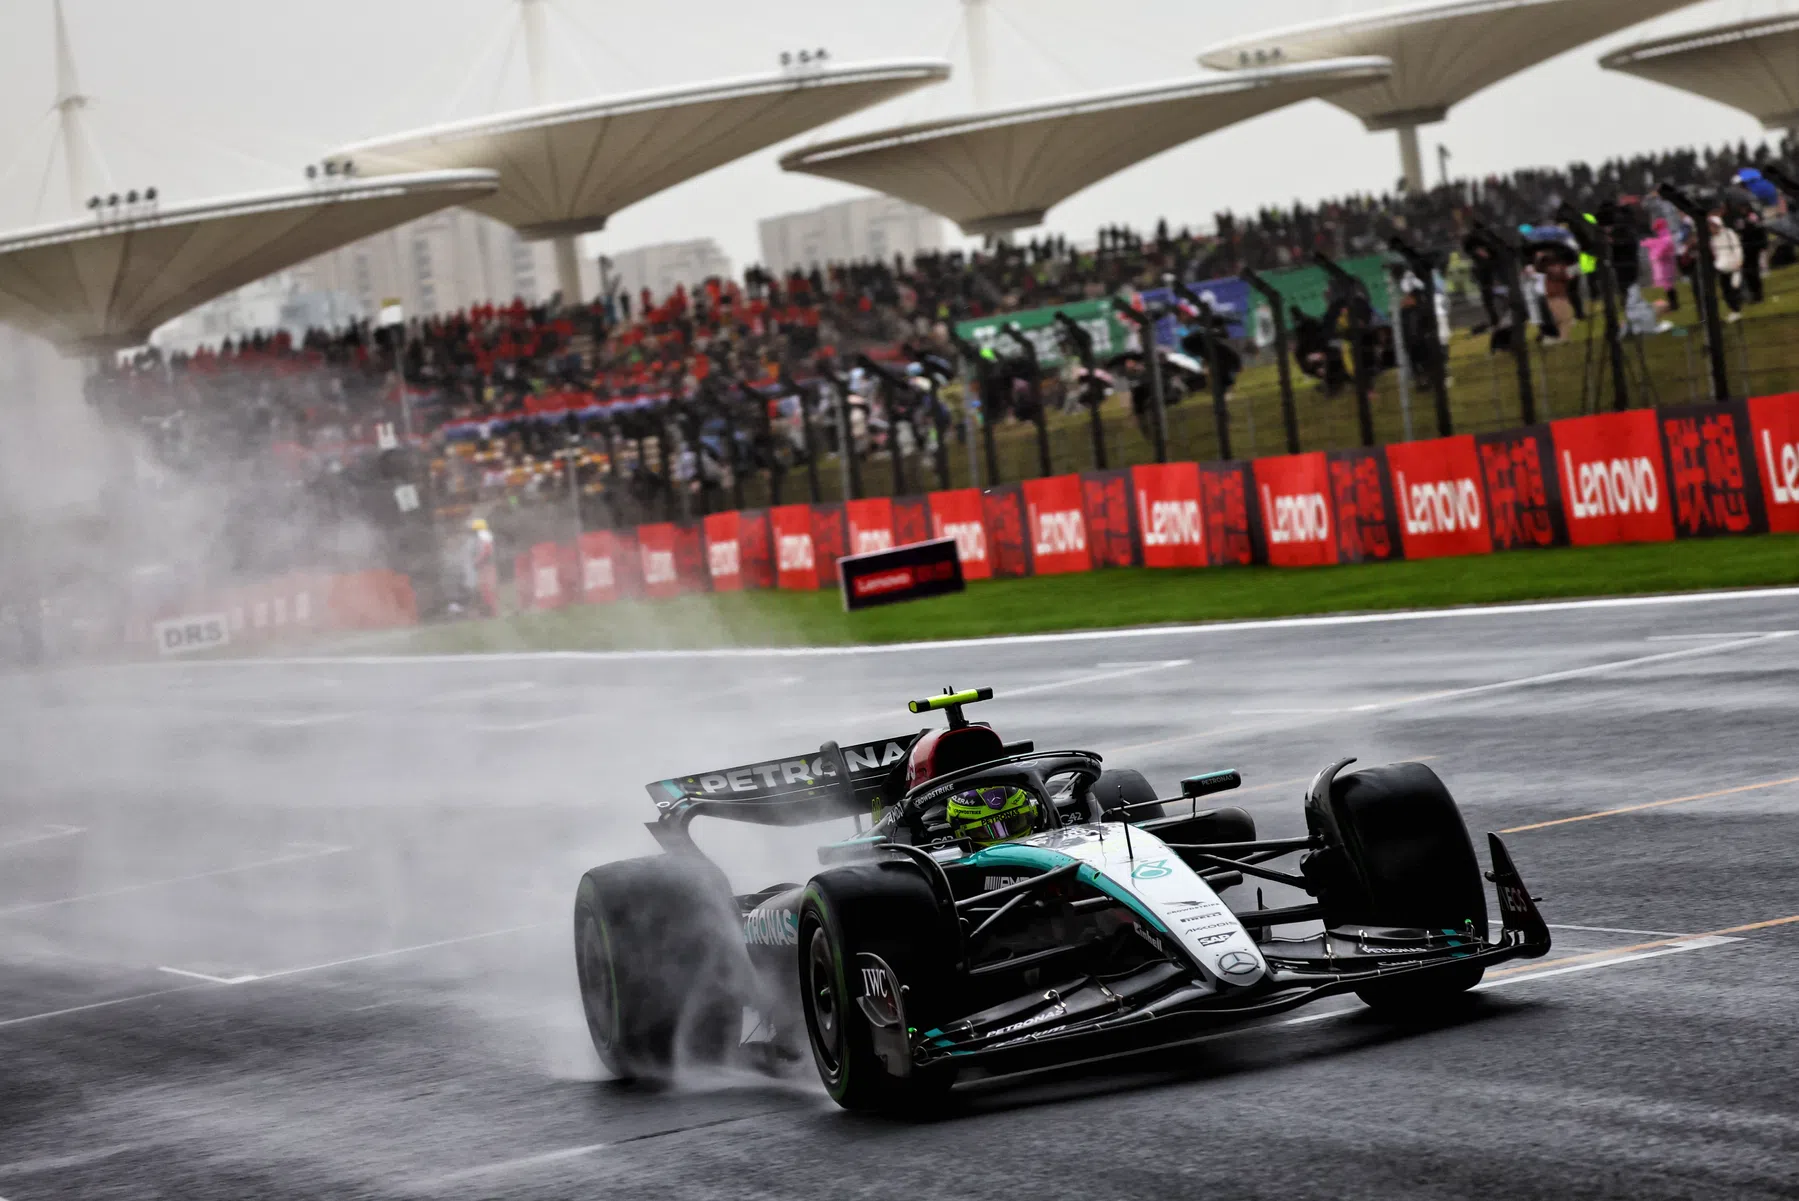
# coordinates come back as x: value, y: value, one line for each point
x: 875, y: 227
x: 660, y: 267
x: 436, y: 264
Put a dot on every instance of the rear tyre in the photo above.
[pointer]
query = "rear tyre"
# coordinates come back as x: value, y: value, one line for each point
x: 1121, y: 786
x: 660, y: 957
x: 885, y: 909
x: 1397, y: 855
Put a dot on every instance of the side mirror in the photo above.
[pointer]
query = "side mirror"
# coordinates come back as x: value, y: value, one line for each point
x: 1207, y: 783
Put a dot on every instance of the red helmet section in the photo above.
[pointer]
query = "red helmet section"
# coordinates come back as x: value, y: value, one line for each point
x: 941, y: 752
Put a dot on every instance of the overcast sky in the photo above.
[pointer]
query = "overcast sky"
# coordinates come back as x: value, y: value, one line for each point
x: 202, y: 97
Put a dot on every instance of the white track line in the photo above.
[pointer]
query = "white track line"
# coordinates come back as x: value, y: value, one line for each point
x: 295, y: 857
x: 92, y: 1005
x: 54, y: 832
x: 901, y: 648
x: 1621, y: 930
x: 1572, y: 673
x: 179, y: 971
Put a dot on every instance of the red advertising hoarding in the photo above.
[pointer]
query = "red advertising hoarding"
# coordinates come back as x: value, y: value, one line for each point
x: 599, y: 571
x: 830, y: 540
x: 1362, y: 506
x: 1056, y: 522
x: 957, y: 515
x: 656, y: 553
x: 1111, y: 532
x: 1613, y: 486
x: 911, y: 520
x: 724, y: 551
x: 1437, y: 490
x: 870, y: 525
x: 545, y: 568
x: 1170, y: 519
x: 796, y: 561
x: 1774, y: 436
x: 1227, y: 499
x: 1524, y: 502
x: 1711, y: 470
x: 1296, y: 512
x: 1008, y: 547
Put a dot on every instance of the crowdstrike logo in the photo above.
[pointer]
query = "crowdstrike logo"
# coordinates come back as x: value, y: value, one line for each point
x: 1059, y: 533
x: 873, y: 540
x: 1439, y: 506
x: 1302, y: 517
x: 596, y: 574
x: 796, y: 552
x: 722, y: 558
x: 1169, y: 522
x: 658, y: 567
x: 1611, y: 487
x: 971, y: 540
x: 1783, y: 478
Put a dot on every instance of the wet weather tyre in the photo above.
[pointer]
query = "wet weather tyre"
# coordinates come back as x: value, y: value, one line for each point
x: 1397, y: 855
x: 1121, y: 786
x: 661, y: 962
x: 886, y: 909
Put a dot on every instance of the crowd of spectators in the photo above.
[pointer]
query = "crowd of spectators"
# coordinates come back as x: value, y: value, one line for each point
x: 643, y: 406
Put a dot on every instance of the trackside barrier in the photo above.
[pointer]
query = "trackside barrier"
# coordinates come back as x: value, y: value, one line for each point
x: 298, y: 602
x: 1643, y: 475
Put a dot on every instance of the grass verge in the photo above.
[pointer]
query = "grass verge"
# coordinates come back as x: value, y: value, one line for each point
x: 1131, y: 597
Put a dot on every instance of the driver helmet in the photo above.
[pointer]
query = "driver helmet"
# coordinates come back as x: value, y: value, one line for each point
x: 994, y: 813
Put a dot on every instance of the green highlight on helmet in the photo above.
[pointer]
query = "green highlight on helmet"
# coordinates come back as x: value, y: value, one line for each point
x: 997, y: 813
x: 966, y: 697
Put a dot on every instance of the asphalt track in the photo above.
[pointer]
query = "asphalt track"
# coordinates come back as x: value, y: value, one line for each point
x: 300, y: 930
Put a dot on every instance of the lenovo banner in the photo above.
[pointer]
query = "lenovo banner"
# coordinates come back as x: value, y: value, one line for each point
x: 957, y: 515
x: 1442, y: 506
x: 796, y: 562
x: 901, y: 573
x: 1774, y: 430
x: 1170, y: 519
x: 1296, y: 512
x: 599, y: 574
x: 1524, y: 502
x: 1613, y: 486
x: 1362, y: 503
x: 1056, y: 520
x: 1227, y: 499
x: 1106, y: 500
x: 1711, y: 471
x: 1002, y: 511
x: 871, y: 524
x: 545, y: 568
x: 656, y: 553
x: 724, y: 551
x: 911, y: 520
x: 830, y: 540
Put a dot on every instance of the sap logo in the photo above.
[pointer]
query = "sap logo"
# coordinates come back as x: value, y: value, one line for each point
x: 771, y: 928
x: 1611, y: 486
x: 795, y: 552
x: 658, y: 566
x: 723, y: 559
x: 1302, y: 517
x: 971, y: 539
x: 1170, y: 522
x: 1782, y: 479
x: 1059, y: 533
x: 547, y: 582
x: 872, y: 540
x: 1440, y: 506
x: 596, y: 575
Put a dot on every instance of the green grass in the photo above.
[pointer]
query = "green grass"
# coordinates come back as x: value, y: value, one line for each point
x: 1132, y: 597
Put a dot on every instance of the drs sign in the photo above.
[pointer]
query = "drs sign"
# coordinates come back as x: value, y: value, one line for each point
x: 184, y: 635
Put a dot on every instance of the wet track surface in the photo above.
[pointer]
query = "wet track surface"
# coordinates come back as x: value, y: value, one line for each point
x: 284, y: 931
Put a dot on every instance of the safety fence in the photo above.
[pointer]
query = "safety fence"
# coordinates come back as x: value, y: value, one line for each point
x: 1642, y: 475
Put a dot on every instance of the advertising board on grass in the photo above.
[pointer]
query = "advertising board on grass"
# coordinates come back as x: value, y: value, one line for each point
x: 900, y: 573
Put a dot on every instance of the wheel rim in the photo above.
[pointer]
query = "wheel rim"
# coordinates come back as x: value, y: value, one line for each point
x: 596, y: 983
x: 824, y: 1003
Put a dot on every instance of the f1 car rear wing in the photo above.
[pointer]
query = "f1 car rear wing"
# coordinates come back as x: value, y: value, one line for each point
x: 794, y: 790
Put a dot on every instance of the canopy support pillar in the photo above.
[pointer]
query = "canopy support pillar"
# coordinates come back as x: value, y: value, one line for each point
x: 1411, y: 162
x: 568, y: 269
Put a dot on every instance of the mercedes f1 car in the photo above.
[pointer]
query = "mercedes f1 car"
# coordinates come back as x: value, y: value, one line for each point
x: 1008, y: 908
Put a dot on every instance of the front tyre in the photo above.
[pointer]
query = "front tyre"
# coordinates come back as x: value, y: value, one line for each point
x: 660, y: 959
x: 886, y: 910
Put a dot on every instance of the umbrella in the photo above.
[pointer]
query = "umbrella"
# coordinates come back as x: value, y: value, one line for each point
x: 1185, y: 362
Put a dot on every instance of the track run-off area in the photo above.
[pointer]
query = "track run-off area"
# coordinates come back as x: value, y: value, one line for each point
x: 300, y: 927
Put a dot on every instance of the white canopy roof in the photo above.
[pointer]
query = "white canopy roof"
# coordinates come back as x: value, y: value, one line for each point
x: 1003, y: 169
x: 565, y: 168
x: 1442, y: 52
x: 104, y: 283
x: 1752, y: 65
